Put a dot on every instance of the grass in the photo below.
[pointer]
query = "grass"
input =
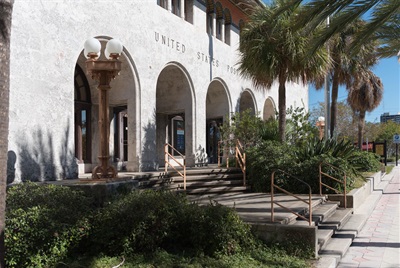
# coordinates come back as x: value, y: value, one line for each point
x: 389, y: 169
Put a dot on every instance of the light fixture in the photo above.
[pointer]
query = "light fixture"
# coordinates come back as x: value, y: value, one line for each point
x: 92, y: 48
x: 103, y: 71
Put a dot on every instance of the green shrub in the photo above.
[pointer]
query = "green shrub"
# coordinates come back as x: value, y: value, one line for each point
x: 365, y: 161
x: 44, y: 223
x: 302, y: 162
x: 299, y: 130
x: 263, y: 159
x: 243, y: 126
x: 146, y: 221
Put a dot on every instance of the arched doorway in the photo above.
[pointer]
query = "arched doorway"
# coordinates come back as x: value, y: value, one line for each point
x: 123, y: 108
x: 247, y: 102
x: 217, y: 109
x: 174, y: 113
x: 269, y: 109
x: 82, y: 117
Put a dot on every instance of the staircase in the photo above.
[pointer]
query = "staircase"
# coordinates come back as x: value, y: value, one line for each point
x: 199, y: 181
x: 336, y: 228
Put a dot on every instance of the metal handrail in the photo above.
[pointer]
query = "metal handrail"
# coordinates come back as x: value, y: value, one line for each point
x: 273, y: 186
x: 169, y: 156
x: 335, y: 179
x: 240, y: 157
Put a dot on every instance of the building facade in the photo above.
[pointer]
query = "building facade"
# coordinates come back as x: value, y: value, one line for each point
x: 179, y: 79
x: 390, y: 117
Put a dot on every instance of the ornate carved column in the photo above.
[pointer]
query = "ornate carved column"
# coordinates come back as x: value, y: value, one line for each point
x: 103, y: 71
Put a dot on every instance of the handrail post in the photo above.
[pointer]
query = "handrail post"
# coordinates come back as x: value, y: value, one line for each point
x: 244, y: 169
x: 184, y: 174
x: 344, y: 191
x: 166, y: 157
x: 310, y: 208
x: 272, y: 196
x: 344, y: 182
x: 320, y: 179
x: 219, y: 153
x: 236, y: 156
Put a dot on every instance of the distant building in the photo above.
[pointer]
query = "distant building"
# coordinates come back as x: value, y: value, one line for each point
x: 394, y: 117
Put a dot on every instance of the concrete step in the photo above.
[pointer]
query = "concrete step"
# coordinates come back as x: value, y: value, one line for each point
x: 208, y: 177
x: 337, y: 220
x: 353, y: 226
x: 336, y: 247
x: 204, y: 171
x: 216, y: 183
x: 324, y: 211
x: 333, y: 240
x: 323, y: 236
x: 153, y: 182
x: 222, y: 189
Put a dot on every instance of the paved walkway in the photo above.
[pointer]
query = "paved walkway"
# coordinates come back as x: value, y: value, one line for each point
x: 378, y: 243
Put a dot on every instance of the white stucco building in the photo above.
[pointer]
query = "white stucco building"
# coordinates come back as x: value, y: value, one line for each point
x: 179, y: 76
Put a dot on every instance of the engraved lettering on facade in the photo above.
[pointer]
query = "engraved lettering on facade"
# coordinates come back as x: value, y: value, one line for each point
x: 207, y: 58
x: 169, y: 42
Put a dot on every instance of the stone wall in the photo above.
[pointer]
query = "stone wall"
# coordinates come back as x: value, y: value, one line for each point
x: 47, y: 42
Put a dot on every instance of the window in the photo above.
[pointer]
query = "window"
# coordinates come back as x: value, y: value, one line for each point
x: 220, y: 21
x: 210, y: 17
x: 176, y: 7
x: 210, y: 22
x: 219, y: 29
x: 82, y: 117
x: 120, y: 133
x: 163, y: 3
x: 178, y: 134
x: 228, y: 24
x: 189, y: 11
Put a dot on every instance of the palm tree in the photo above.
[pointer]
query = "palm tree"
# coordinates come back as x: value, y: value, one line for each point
x: 270, y: 49
x: 364, y: 96
x: 5, y: 31
x: 383, y: 25
x: 346, y: 64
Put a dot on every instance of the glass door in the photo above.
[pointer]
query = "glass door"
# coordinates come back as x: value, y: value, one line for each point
x: 213, y: 137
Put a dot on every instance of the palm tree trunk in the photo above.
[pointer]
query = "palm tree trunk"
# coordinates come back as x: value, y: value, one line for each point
x: 335, y: 90
x: 361, y: 121
x: 282, y: 107
x: 5, y: 32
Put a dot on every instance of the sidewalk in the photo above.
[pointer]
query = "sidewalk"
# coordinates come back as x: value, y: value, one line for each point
x: 378, y: 243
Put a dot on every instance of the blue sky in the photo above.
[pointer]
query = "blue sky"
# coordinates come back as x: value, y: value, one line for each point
x: 388, y: 70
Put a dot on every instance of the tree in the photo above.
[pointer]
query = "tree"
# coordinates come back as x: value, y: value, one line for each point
x: 386, y: 132
x: 346, y: 64
x: 383, y: 25
x: 346, y: 127
x: 271, y: 49
x: 5, y: 33
x: 364, y: 96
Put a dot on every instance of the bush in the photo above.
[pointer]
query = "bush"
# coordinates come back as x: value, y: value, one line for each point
x: 143, y: 222
x: 263, y: 159
x: 303, y: 161
x: 365, y: 161
x: 44, y: 223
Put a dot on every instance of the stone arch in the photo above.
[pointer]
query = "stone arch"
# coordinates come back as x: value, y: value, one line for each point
x: 269, y: 110
x: 247, y: 101
x: 175, y: 113
x: 218, y: 107
x: 124, y: 97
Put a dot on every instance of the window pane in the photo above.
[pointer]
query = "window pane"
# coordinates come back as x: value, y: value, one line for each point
x: 84, y: 134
